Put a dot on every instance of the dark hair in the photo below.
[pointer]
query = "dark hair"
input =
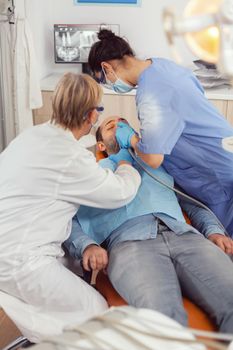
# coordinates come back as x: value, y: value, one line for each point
x: 98, y: 135
x: 109, y: 47
x: 99, y: 138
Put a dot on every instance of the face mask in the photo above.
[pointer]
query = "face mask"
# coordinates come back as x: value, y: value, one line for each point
x: 104, y: 80
x: 121, y: 87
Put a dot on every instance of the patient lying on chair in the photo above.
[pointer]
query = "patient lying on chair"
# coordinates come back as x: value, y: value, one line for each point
x: 151, y: 254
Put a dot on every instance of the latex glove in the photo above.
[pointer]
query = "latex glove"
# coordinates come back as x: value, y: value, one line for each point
x: 223, y: 242
x: 123, y: 154
x: 95, y: 258
x: 124, y: 134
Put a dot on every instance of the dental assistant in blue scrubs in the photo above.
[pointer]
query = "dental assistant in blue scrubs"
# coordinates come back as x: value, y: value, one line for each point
x: 179, y: 127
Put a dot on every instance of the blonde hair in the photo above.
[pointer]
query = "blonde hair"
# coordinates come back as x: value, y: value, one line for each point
x: 74, y: 96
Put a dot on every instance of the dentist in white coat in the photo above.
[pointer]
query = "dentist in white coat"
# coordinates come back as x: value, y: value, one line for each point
x: 45, y: 175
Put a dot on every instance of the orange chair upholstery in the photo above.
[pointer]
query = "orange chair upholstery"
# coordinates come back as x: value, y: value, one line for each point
x: 196, y: 317
x: 99, y: 155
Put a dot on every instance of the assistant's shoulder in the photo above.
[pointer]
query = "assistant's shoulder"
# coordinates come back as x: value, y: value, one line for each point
x: 162, y: 79
x: 164, y: 70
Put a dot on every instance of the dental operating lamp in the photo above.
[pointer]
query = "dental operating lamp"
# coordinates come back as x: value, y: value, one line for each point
x: 207, y: 27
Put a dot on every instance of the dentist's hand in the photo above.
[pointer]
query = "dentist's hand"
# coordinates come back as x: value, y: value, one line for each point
x: 122, y: 155
x: 95, y: 258
x: 223, y: 242
x: 124, y: 134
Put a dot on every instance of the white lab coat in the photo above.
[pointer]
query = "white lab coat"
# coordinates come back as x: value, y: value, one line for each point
x: 7, y: 81
x: 27, y: 83
x: 45, y: 174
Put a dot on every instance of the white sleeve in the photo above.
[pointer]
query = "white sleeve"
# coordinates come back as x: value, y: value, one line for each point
x: 85, y: 182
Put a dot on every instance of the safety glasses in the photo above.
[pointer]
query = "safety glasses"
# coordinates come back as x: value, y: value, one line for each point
x: 101, y: 79
x: 99, y: 109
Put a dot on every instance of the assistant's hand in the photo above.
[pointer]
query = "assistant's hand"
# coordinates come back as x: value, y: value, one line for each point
x: 95, y: 258
x: 223, y: 242
x: 124, y: 133
x: 122, y: 155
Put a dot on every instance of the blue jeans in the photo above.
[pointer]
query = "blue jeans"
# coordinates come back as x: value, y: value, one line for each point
x: 155, y: 273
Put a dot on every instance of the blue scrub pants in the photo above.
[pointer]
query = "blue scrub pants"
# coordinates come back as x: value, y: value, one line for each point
x: 155, y: 273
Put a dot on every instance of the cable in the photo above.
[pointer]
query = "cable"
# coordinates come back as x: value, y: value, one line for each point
x: 139, y: 162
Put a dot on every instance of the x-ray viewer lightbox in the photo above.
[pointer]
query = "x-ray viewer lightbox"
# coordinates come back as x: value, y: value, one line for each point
x: 72, y: 42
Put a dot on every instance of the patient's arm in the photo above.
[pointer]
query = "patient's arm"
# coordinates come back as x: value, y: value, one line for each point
x: 201, y: 219
x: 207, y: 224
x: 78, y: 240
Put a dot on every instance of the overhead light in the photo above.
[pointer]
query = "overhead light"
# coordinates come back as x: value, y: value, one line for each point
x: 207, y: 26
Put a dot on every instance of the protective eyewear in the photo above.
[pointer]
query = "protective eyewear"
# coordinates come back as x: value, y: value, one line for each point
x: 101, y: 79
x: 99, y: 109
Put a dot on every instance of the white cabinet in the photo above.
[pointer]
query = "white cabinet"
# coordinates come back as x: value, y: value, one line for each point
x: 44, y: 113
x: 124, y: 106
x: 114, y: 105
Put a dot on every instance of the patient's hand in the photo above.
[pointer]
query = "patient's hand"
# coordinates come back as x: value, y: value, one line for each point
x: 95, y: 258
x: 223, y: 242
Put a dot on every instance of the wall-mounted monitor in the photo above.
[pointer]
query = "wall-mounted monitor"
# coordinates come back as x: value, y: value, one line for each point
x: 72, y: 42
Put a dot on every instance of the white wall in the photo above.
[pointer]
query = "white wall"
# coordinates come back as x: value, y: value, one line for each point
x: 142, y: 26
x: 39, y: 16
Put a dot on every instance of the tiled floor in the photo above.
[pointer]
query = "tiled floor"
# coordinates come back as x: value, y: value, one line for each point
x: 8, y: 331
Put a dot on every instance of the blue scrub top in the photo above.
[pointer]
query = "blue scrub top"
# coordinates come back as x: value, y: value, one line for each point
x: 178, y: 121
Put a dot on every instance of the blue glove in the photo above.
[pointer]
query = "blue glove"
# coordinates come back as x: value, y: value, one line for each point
x: 124, y: 134
x: 123, y: 154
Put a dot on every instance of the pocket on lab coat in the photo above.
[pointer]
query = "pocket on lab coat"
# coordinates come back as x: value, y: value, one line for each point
x: 201, y: 183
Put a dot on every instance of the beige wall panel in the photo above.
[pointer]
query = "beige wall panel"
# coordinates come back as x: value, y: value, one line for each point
x: 221, y: 106
x: 230, y: 112
x: 123, y: 106
x: 44, y: 113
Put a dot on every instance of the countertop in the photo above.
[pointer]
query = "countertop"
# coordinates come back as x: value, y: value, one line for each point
x: 223, y: 93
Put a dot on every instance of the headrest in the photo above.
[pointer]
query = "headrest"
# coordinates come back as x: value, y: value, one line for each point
x: 99, y: 155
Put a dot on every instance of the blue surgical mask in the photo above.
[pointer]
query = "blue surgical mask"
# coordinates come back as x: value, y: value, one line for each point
x: 118, y: 86
x: 121, y: 87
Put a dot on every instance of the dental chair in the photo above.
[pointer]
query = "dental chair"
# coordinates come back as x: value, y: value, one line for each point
x: 196, y: 317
